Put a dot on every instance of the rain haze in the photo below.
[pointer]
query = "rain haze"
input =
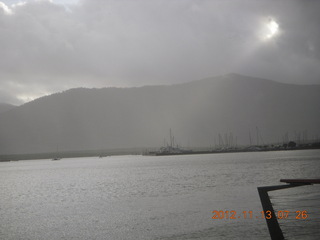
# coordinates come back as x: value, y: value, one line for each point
x: 52, y: 46
x: 159, y: 119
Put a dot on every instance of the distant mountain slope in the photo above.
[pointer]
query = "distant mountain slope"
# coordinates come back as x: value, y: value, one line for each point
x: 80, y: 119
x: 5, y: 107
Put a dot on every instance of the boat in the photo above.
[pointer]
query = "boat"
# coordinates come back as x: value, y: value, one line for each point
x: 170, y: 149
x: 56, y: 158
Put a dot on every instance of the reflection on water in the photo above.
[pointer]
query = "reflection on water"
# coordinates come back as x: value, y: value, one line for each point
x: 139, y: 197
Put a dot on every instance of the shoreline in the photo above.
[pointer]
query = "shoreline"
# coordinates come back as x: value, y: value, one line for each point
x: 240, y: 150
x: 141, y: 151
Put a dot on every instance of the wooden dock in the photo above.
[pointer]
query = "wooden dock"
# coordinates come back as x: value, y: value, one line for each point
x: 272, y: 222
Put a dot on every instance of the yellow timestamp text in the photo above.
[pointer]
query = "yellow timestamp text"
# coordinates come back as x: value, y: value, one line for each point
x: 283, y: 214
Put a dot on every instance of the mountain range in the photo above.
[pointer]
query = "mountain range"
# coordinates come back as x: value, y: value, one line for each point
x: 5, y: 107
x: 200, y: 113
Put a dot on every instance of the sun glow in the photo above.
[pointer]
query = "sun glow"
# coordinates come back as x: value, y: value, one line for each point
x: 270, y: 29
x: 273, y: 27
x: 5, y: 8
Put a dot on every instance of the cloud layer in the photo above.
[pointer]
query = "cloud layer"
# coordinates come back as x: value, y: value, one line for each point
x: 48, y: 47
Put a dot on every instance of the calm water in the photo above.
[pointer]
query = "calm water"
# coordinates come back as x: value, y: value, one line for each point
x: 140, y: 197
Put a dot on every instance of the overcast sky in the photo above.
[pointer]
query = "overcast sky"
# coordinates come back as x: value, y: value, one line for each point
x: 50, y: 46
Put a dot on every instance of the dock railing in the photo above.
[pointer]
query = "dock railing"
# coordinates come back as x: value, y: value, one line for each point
x: 272, y: 222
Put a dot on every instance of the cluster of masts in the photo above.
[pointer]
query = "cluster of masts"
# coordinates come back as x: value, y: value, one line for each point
x: 230, y: 141
x: 300, y: 137
x: 170, y: 147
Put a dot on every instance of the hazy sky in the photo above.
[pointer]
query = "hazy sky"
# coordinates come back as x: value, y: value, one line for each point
x: 49, y: 46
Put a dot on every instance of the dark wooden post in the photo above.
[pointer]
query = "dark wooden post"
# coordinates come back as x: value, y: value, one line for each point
x: 272, y: 222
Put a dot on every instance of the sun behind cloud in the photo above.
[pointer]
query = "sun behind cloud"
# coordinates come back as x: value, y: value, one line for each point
x: 270, y: 29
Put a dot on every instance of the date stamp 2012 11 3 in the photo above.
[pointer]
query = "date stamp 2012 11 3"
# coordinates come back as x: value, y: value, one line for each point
x: 232, y: 214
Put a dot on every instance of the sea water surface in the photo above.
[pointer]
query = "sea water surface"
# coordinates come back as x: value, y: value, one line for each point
x: 144, y: 197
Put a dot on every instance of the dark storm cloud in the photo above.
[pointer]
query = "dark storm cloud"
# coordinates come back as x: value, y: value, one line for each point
x: 46, y: 47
